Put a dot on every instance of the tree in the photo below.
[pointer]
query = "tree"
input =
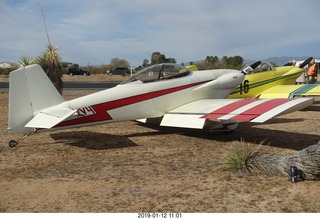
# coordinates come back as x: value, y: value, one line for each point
x: 145, y: 63
x: 157, y: 58
x: 236, y: 61
x: 116, y: 62
x: 211, y: 60
x: 170, y: 60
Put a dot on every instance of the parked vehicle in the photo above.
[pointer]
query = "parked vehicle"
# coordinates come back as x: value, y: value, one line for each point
x: 119, y: 71
x: 78, y: 71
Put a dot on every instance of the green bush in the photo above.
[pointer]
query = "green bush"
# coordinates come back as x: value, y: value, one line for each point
x: 6, y: 71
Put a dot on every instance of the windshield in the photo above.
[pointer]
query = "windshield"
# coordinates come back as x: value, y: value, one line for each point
x: 159, y: 72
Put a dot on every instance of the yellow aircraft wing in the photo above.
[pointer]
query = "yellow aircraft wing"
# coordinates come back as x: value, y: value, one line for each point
x: 290, y: 91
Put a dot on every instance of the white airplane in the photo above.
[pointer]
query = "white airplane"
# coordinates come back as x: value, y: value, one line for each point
x: 181, y: 97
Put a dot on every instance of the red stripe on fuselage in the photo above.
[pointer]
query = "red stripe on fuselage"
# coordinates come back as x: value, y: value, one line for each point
x: 102, y: 108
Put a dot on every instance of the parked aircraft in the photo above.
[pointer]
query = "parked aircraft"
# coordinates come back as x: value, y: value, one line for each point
x: 267, y: 81
x: 181, y: 97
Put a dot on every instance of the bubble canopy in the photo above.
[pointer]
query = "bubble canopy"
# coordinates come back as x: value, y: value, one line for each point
x: 159, y: 72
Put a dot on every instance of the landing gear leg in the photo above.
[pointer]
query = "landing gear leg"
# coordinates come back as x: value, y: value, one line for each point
x: 226, y: 126
x: 14, y: 143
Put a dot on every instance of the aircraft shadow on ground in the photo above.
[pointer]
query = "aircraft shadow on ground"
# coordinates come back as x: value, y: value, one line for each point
x: 251, y: 133
x: 313, y: 108
x: 248, y: 132
x: 92, y: 140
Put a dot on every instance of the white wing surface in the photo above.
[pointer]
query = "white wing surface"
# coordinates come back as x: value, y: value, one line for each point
x: 194, y: 114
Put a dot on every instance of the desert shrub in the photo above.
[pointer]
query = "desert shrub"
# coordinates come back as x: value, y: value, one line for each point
x: 6, y: 71
x: 241, y: 156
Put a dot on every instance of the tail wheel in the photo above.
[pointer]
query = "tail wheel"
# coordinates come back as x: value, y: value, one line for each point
x: 13, y: 143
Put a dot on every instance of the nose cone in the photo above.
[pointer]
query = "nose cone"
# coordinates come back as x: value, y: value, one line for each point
x: 230, y: 80
x: 224, y: 80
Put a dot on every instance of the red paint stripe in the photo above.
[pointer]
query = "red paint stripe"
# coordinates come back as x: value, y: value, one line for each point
x: 228, y: 108
x: 102, y: 108
x: 259, y: 109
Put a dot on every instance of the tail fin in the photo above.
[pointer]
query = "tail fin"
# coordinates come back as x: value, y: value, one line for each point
x: 30, y: 91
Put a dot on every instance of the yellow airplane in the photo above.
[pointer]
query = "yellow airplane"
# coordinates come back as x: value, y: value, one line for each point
x: 263, y: 80
x: 267, y: 81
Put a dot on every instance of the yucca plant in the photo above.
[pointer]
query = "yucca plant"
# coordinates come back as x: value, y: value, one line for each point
x: 50, y: 61
x: 42, y: 60
x: 27, y: 60
x: 242, y: 157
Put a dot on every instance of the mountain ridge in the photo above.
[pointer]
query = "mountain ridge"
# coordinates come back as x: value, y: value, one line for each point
x: 279, y: 60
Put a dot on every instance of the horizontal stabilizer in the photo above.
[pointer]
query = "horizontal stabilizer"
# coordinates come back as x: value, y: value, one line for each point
x: 49, y: 118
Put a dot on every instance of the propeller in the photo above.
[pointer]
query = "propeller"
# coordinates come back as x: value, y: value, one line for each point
x: 288, y: 64
x: 249, y: 68
x: 254, y: 65
x: 306, y: 62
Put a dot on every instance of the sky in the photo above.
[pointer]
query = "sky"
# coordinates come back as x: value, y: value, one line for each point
x: 96, y: 31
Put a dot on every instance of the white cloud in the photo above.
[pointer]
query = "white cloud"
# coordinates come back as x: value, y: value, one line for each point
x: 96, y: 31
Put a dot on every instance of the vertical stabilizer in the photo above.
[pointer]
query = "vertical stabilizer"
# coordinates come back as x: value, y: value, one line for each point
x: 30, y: 91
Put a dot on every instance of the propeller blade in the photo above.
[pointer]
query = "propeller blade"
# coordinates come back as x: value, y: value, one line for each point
x: 288, y: 64
x: 254, y: 65
x: 250, y: 68
x: 306, y: 62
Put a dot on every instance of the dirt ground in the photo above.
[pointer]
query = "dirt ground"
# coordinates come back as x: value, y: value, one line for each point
x: 80, y: 78
x: 129, y: 167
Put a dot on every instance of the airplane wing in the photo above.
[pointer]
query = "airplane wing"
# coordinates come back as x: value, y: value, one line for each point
x: 194, y: 114
x: 290, y: 91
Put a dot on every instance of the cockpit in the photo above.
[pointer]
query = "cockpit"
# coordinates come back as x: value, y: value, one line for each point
x: 165, y: 71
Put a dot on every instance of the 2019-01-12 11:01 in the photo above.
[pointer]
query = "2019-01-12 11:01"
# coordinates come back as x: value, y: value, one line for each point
x: 159, y: 215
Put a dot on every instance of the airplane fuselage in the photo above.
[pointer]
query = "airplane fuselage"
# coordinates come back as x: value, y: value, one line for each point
x: 138, y: 99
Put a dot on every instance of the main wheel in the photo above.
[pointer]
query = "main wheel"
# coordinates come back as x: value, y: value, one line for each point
x: 13, y: 143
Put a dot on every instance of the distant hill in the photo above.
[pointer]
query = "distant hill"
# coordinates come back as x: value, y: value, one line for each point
x: 279, y: 60
x: 7, y: 64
